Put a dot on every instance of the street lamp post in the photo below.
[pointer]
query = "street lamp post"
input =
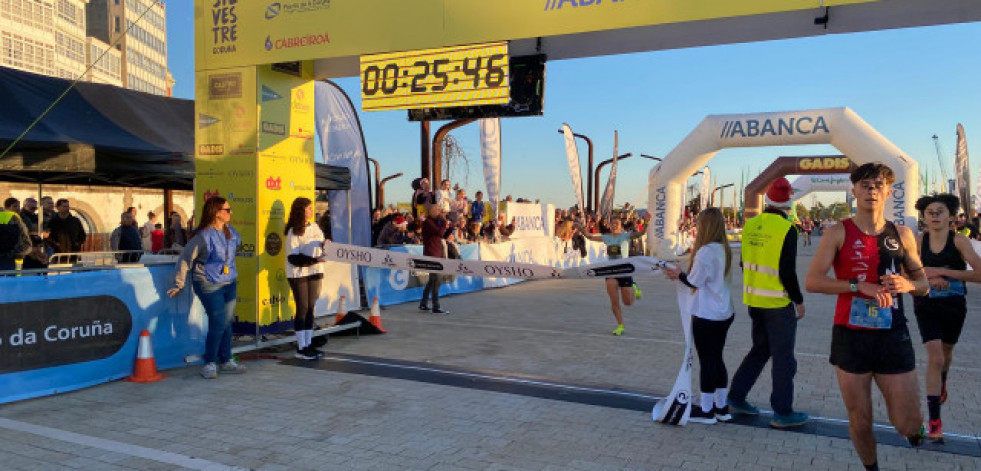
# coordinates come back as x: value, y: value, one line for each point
x: 589, y: 170
x: 596, y: 177
x: 712, y: 199
x: 381, y: 190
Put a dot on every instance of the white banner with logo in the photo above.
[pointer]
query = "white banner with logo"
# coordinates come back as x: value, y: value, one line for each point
x: 519, y: 268
x: 675, y: 408
x: 490, y: 151
x: 705, y: 189
x: 530, y: 219
x: 962, y: 171
x: 609, y: 193
x: 575, y: 168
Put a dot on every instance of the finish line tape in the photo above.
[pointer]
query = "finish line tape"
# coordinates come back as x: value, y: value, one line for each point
x: 370, y: 257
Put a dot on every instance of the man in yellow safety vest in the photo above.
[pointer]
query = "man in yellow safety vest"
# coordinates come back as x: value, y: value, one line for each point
x: 773, y: 295
x: 15, y: 241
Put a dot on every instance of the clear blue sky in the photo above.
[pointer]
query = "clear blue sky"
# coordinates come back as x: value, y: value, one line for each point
x: 909, y: 84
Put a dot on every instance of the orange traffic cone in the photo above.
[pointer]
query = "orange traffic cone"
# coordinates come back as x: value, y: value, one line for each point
x: 146, y: 366
x: 341, y: 310
x: 376, y: 318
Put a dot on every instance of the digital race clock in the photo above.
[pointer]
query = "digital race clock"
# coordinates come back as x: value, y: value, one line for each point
x: 476, y: 74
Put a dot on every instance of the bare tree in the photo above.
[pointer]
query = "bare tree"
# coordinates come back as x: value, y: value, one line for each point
x: 454, y: 158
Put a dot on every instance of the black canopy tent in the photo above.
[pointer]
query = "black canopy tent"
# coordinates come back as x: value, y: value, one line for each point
x: 103, y: 135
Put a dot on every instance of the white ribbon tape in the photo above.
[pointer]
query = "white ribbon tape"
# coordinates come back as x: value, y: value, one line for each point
x: 633, y: 266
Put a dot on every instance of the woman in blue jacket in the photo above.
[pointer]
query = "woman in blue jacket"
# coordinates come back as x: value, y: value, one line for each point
x: 210, y: 257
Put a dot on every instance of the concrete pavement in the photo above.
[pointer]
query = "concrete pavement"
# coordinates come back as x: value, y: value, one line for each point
x: 279, y: 416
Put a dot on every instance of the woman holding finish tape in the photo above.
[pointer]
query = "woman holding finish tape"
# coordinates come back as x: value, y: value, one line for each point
x: 710, y: 304
x: 210, y: 257
x: 304, y: 247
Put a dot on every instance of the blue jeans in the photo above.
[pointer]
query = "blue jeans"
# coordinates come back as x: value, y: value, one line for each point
x: 218, y: 300
x: 774, y: 336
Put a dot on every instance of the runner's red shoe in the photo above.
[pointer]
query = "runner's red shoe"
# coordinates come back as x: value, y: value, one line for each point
x: 935, y: 433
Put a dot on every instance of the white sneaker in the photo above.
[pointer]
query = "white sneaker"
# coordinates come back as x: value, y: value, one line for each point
x: 209, y: 371
x: 231, y: 367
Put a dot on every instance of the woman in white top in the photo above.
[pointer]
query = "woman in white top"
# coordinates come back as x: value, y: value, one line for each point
x: 710, y: 305
x: 304, y: 248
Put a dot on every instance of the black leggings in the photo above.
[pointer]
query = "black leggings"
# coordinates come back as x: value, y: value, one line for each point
x: 710, y: 339
x: 305, y: 290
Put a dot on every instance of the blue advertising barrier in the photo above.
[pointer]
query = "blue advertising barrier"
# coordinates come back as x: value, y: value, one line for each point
x: 399, y: 286
x: 64, y: 332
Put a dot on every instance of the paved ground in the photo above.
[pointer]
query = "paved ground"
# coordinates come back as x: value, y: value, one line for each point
x: 280, y: 416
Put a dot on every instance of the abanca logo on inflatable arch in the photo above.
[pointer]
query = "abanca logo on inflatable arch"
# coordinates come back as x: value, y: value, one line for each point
x: 558, y: 4
x: 782, y: 127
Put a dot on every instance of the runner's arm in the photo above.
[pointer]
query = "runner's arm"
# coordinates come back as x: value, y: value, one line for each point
x: 970, y: 256
x: 918, y: 286
x: 818, y: 280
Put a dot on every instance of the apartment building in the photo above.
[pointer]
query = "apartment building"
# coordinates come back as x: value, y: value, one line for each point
x: 138, y: 28
x: 117, y: 42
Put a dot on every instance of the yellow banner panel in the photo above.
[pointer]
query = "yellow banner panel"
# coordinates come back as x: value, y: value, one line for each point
x: 475, y: 74
x: 225, y: 165
x: 285, y: 172
x: 239, y: 32
x: 233, y: 32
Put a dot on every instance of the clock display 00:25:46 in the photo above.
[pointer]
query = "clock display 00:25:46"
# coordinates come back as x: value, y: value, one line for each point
x: 389, y: 78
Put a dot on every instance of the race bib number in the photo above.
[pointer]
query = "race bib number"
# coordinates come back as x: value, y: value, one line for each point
x: 954, y: 288
x: 866, y: 313
x: 613, y: 250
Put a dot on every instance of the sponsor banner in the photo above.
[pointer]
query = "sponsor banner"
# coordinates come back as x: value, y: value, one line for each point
x: 962, y: 171
x: 530, y: 219
x: 807, y: 184
x: 342, y: 144
x: 232, y: 33
x: 226, y: 162
x: 62, y: 333
x: 393, y: 285
x: 514, y: 266
x: 575, y: 168
x: 705, y: 189
x: 398, y: 285
x: 675, y: 408
x: 606, y: 202
x: 490, y: 151
x: 281, y: 177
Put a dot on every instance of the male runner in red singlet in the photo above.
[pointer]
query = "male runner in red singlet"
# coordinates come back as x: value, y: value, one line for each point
x: 875, y: 261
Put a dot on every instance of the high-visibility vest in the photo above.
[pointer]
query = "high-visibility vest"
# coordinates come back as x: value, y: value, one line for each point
x: 762, y: 243
x: 6, y: 216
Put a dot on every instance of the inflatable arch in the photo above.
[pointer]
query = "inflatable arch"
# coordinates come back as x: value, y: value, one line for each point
x: 783, y: 166
x: 840, y: 127
x: 807, y: 184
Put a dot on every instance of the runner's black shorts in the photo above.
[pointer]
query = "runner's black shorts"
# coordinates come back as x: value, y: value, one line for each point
x: 941, y: 320
x: 872, y: 351
x: 624, y: 281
